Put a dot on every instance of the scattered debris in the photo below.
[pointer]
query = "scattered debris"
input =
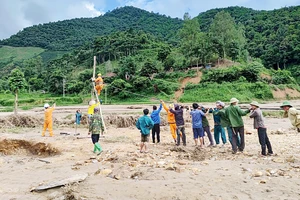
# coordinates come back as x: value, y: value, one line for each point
x: 46, y: 161
x: 74, y: 179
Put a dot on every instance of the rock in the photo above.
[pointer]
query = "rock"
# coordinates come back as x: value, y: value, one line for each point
x: 181, y: 162
x: 75, y: 168
x: 290, y: 159
x: 106, y: 172
x: 117, y: 177
x: 263, y: 182
x: 246, y: 169
x: 257, y: 174
x: 278, y: 160
x: 132, y: 164
x: 93, y: 157
x: 272, y: 171
x: 161, y: 163
x: 170, y: 166
x: 79, y: 163
x: 279, y: 131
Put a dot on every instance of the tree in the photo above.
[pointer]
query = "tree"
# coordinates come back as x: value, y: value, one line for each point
x: 188, y: 35
x: 127, y: 67
x: 226, y: 38
x: 16, y: 83
x: 148, y: 69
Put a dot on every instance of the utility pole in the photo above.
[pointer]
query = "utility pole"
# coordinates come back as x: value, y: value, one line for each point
x: 64, y: 87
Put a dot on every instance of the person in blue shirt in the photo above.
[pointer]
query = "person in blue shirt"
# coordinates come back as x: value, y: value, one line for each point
x: 78, y: 117
x: 218, y: 129
x: 197, y: 124
x: 144, y: 124
x: 155, y: 116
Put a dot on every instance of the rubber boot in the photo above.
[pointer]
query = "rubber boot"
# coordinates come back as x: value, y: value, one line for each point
x: 98, y: 147
x: 95, y: 148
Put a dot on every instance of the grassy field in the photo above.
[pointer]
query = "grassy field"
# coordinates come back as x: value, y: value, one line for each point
x: 10, y: 54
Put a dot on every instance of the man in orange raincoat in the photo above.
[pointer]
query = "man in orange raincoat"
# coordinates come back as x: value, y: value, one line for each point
x: 99, y: 84
x: 48, y: 123
x: 171, y: 119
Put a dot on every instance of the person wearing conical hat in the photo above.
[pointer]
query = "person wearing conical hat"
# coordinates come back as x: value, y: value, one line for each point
x: 258, y: 123
x: 48, y: 122
x: 99, y: 84
x: 234, y: 114
x: 292, y: 113
x: 95, y: 128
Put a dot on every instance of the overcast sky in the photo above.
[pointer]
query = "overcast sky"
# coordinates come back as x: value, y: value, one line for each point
x: 18, y: 14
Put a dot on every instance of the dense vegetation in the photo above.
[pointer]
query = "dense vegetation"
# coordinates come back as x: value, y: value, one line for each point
x: 70, y: 34
x: 143, y: 60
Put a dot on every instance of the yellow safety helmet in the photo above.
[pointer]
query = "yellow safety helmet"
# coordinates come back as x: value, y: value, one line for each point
x: 99, y: 74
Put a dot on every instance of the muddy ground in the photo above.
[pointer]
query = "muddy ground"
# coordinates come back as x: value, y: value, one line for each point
x: 166, y: 172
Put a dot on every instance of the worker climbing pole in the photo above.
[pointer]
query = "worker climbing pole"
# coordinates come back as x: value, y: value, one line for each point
x: 97, y: 87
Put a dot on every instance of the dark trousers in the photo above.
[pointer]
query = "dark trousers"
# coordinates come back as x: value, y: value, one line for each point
x: 156, y: 130
x: 264, y: 141
x: 236, y: 132
x: 182, y: 130
x: 207, y: 130
x: 95, y: 138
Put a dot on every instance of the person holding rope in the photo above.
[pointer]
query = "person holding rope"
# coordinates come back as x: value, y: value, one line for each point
x: 234, y: 114
x: 155, y: 116
x: 292, y: 113
x: 171, y: 120
x: 258, y: 124
x: 198, y: 131
x: 178, y: 112
x: 206, y: 127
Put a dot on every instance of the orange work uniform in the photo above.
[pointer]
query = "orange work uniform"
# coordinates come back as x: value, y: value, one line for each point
x: 99, y: 85
x: 48, y: 123
x: 171, y: 121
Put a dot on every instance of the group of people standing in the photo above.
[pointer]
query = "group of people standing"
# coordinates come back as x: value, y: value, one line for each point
x: 229, y: 118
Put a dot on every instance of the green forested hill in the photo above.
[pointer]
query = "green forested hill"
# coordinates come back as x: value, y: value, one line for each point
x: 273, y: 36
x: 146, y: 53
x: 69, y: 34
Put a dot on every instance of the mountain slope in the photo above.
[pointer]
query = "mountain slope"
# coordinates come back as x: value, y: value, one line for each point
x: 69, y: 34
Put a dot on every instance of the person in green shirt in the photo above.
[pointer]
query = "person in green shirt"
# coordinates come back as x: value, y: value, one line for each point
x: 95, y: 127
x: 234, y: 115
x: 206, y: 127
x: 225, y: 123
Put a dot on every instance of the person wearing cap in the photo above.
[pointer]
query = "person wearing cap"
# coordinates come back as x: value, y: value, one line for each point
x: 258, y: 123
x: 218, y: 128
x: 234, y: 114
x: 48, y: 122
x: 178, y: 112
x: 197, y: 124
x: 225, y: 122
x: 95, y: 128
x: 155, y: 116
x: 171, y: 119
x: 206, y: 127
x: 144, y: 124
x: 99, y: 84
x: 292, y: 113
